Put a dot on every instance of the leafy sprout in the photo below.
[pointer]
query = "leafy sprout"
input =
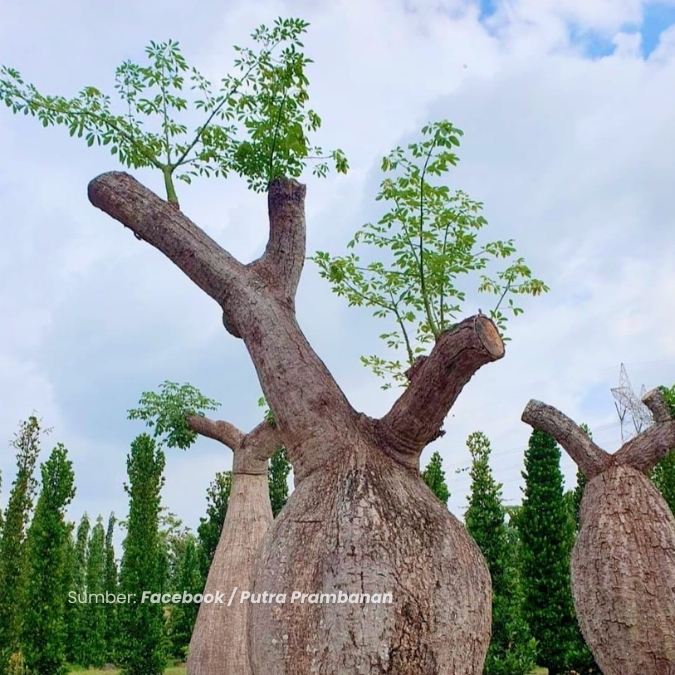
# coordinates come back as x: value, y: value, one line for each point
x: 254, y: 121
x: 423, y: 246
x: 165, y: 412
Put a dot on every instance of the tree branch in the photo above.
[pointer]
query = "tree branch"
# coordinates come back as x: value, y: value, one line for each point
x: 221, y: 431
x: 163, y: 226
x: 658, y: 406
x: 251, y: 451
x: 284, y: 257
x: 590, y: 458
x: 646, y: 450
x: 436, y: 382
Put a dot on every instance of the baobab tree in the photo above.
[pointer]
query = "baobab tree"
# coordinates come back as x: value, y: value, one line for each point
x: 623, y: 562
x: 360, y: 521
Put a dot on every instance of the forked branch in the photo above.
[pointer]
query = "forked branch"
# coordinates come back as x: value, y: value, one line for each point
x: 251, y: 451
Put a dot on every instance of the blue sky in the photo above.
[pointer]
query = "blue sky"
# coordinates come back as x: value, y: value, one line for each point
x: 570, y: 153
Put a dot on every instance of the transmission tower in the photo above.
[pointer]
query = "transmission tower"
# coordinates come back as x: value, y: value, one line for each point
x: 634, y: 415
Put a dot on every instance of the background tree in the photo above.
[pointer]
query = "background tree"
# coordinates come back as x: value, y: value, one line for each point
x: 184, y: 615
x: 210, y: 526
x: 547, y: 534
x: 44, y: 630
x: 663, y: 475
x: 278, y: 470
x: 628, y: 625
x: 141, y: 647
x: 110, y: 586
x: 512, y: 649
x: 75, y: 611
x: 12, y: 544
x: 434, y: 476
x: 94, y: 612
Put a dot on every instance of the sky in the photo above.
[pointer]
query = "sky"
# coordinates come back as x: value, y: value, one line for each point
x: 568, y: 113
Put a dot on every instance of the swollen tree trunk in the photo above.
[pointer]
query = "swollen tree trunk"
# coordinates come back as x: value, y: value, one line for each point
x: 360, y: 520
x: 218, y: 644
x: 623, y: 563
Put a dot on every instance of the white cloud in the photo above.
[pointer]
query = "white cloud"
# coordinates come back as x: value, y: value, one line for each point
x: 570, y: 155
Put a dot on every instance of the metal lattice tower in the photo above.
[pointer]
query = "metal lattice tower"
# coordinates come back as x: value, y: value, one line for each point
x: 634, y: 415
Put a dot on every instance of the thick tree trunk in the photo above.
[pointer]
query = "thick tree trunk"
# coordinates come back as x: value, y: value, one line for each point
x: 623, y: 562
x: 218, y: 645
x: 364, y: 524
x: 360, y: 519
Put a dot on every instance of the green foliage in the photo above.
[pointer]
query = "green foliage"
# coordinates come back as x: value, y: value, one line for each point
x: 12, y: 544
x: 165, y: 412
x: 255, y: 121
x: 110, y: 586
x: 141, y: 646
x: 210, y: 527
x: 94, y: 612
x: 546, y: 530
x: 44, y: 629
x: 424, y: 246
x: 663, y: 475
x: 278, y: 471
x: 512, y: 649
x: 75, y: 612
x: 434, y: 476
x: 184, y: 615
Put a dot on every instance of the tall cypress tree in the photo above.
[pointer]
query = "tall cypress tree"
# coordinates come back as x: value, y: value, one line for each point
x: 546, y: 530
x: 141, y: 647
x: 44, y: 629
x: 512, y: 649
x: 434, y: 476
x: 278, y: 471
x: 12, y: 544
x: 75, y: 626
x: 210, y: 527
x: 110, y: 586
x: 184, y: 615
x: 94, y: 612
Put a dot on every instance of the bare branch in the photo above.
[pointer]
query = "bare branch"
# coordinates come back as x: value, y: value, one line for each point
x: 221, y: 431
x: 657, y: 404
x: 251, y: 451
x: 590, y: 458
x: 436, y: 382
x: 163, y: 226
x: 645, y: 451
x: 282, y: 262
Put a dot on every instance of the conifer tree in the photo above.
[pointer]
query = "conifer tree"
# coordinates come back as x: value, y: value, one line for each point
x: 94, y: 612
x: 183, y: 615
x: 141, y: 645
x: 75, y: 626
x: 44, y: 630
x: 278, y: 471
x: 210, y: 527
x: 434, y: 477
x: 110, y: 586
x: 12, y: 544
x: 512, y: 649
x: 546, y: 528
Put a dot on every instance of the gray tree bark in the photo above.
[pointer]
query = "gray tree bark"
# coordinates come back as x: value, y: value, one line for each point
x: 623, y: 563
x: 218, y: 643
x: 360, y: 519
